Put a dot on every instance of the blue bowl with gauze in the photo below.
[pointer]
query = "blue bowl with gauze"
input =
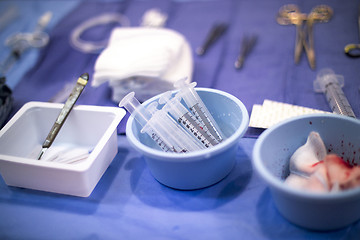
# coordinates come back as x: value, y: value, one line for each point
x: 201, y: 168
x: 312, y: 210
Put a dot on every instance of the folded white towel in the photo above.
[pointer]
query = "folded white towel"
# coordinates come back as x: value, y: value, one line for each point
x: 151, y: 56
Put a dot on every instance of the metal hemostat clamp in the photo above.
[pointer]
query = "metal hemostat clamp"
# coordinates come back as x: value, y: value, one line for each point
x: 291, y: 14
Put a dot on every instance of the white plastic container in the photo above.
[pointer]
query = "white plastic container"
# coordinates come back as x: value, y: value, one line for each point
x: 93, y: 127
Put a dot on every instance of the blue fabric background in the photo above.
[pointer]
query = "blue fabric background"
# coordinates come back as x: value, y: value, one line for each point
x: 269, y: 72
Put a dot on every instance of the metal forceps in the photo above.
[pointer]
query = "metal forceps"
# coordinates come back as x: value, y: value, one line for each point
x: 291, y: 14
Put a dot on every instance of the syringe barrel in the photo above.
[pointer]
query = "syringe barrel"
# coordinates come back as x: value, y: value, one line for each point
x: 189, y: 95
x: 160, y: 132
x: 172, y: 105
x: 187, y: 91
x: 134, y: 107
x: 337, y: 100
x: 185, y: 118
x: 175, y: 108
x: 192, y: 99
x: 330, y: 84
x: 172, y: 132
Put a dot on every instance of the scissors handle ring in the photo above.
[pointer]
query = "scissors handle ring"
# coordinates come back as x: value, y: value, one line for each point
x: 321, y: 13
x: 352, y: 50
x: 290, y: 14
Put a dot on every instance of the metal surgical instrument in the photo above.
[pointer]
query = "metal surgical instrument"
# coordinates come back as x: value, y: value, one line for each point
x: 68, y: 106
x: 20, y: 42
x: 216, y: 32
x: 353, y: 49
x: 291, y: 14
x: 246, y: 46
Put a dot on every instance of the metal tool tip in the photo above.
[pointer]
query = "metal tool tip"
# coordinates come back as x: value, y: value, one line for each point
x: 85, y: 76
x: 238, y: 64
x: 41, y: 153
x: 200, y: 51
x: 312, y: 65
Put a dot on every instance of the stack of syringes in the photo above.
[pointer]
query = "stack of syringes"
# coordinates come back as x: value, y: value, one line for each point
x: 176, y: 127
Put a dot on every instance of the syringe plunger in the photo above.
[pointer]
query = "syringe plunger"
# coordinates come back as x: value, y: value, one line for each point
x: 330, y: 84
x: 173, y: 105
x: 134, y: 107
x: 187, y: 92
x: 326, y: 77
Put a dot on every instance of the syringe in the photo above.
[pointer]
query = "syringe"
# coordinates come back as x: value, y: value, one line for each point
x: 330, y: 84
x: 142, y: 116
x: 158, y: 131
x: 198, y: 108
x: 186, y: 119
x: 173, y: 132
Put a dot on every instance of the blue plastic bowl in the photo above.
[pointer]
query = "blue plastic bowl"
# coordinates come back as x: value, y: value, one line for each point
x: 271, y: 156
x: 202, y: 168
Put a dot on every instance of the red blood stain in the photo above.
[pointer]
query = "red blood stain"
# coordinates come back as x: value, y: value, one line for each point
x: 315, y: 164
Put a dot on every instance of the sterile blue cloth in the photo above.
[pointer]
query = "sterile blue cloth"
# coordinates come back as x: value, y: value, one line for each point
x: 128, y: 203
x: 269, y: 71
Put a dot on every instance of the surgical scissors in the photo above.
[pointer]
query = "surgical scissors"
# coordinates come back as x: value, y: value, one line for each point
x: 291, y: 14
x: 353, y: 49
